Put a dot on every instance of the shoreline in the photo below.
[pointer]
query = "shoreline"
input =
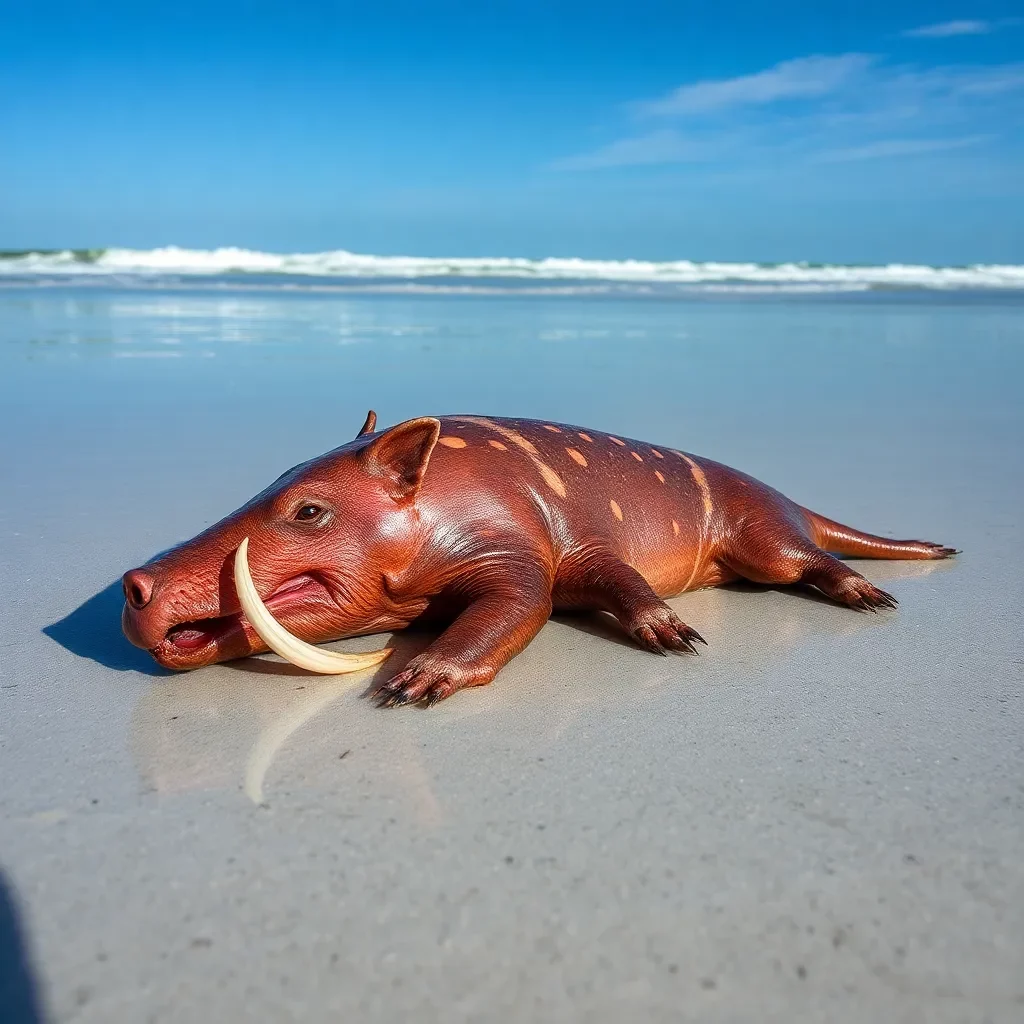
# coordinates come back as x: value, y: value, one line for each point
x: 499, y: 288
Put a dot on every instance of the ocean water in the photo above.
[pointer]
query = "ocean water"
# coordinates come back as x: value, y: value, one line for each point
x: 159, y: 389
x: 701, y: 367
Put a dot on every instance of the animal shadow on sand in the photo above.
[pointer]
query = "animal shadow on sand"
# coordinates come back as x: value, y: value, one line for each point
x: 93, y: 631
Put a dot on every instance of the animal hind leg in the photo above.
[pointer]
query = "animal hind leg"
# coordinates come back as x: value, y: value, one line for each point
x: 599, y: 580
x: 838, y: 581
x: 845, y: 540
x: 779, y: 553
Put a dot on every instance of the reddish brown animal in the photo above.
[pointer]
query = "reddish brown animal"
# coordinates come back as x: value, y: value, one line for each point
x: 489, y: 523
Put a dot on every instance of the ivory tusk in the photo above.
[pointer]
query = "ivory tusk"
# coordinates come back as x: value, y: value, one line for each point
x: 281, y: 642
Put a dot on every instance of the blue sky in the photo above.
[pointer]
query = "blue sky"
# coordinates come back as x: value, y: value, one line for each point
x: 853, y: 132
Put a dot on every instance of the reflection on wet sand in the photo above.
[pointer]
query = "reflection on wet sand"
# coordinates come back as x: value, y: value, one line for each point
x: 318, y: 694
x: 223, y: 727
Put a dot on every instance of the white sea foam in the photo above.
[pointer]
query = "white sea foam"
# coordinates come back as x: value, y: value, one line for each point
x: 173, y: 261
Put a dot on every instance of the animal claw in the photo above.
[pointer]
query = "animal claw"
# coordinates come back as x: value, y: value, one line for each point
x: 392, y: 693
x: 647, y: 638
x: 661, y: 631
x: 864, y: 597
x: 679, y: 642
x: 416, y: 684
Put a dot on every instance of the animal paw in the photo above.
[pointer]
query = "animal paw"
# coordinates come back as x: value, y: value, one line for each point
x: 939, y: 550
x: 858, y: 593
x: 660, y: 630
x: 426, y: 681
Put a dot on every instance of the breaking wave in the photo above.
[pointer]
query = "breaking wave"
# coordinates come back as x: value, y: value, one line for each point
x: 172, y: 261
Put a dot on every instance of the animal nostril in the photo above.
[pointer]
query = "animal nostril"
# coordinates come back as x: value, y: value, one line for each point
x: 138, y: 588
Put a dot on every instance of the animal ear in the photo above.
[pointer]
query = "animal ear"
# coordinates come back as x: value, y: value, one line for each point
x: 400, y: 455
x: 369, y: 424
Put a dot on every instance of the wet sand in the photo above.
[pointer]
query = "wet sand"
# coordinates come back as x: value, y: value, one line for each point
x: 821, y: 817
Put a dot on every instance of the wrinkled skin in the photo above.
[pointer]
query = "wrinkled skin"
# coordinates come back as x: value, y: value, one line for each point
x: 488, y: 524
x: 326, y: 576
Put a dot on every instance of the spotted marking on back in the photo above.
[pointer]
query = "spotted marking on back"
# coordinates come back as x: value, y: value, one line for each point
x: 675, y: 527
x: 452, y: 442
x: 577, y: 457
x: 709, y: 507
x: 657, y: 454
x: 659, y: 476
x: 615, y: 440
x: 497, y: 444
x: 550, y: 477
x: 616, y: 511
x: 702, y: 483
x: 552, y: 428
x: 586, y: 437
x: 637, y: 457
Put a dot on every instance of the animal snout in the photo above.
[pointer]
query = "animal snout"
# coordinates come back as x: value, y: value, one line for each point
x: 138, y: 588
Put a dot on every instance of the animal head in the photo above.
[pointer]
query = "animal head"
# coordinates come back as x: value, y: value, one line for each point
x: 322, y: 539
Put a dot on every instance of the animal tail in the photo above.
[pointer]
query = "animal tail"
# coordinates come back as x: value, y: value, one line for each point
x: 844, y: 540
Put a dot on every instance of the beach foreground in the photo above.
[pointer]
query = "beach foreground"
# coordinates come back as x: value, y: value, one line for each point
x: 819, y: 818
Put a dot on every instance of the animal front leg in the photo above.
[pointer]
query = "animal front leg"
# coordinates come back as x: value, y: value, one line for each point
x: 599, y: 580
x: 488, y: 634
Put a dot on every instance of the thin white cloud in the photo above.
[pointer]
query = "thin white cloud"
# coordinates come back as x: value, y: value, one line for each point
x: 989, y: 82
x: 883, y: 148
x: 662, y: 147
x: 791, y: 79
x: 947, y: 29
x: 856, y: 108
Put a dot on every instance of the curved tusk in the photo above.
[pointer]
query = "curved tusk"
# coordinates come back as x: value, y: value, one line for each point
x: 280, y: 641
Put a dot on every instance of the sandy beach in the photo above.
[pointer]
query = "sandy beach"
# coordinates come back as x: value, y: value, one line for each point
x: 820, y: 818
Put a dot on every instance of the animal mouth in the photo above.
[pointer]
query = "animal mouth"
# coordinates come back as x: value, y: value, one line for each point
x: 284, y: 643
x: 195, y: 635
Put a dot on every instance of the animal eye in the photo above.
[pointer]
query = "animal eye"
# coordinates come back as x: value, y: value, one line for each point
x: 308, y: 513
